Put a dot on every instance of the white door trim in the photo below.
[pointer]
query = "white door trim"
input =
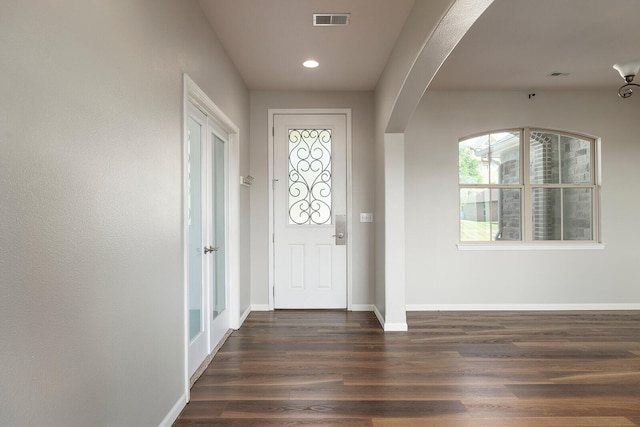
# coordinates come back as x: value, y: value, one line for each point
x: 304, y: 111
x: 193, y: 94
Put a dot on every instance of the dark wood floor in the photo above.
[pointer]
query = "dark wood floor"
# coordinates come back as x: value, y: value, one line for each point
x: 480, y: 369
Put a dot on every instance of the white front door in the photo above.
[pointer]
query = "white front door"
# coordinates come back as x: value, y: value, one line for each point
x: 310, y: 194
x: 206, y: 240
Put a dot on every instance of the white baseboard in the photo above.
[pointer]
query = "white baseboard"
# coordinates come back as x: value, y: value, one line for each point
x: 387, y: 326
x: 362, y: 307
x: 354, y: 307
x: 523, y: 307
x: 174, y: 413
x: 244, y: 316
x: 379, y: 316
x: 396, y: 327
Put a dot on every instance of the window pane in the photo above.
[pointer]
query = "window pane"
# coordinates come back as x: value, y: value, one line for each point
x: 218, y: 294
x: 577, y: 214
x: 505, y: 158
x: 195, y: 223
x: 490, y: 214
x: 471, y: 168
x: 310, y: 176
x: 543, y: 158
x: 508, y: 203
x: 475, y: 215
x: 491, y: 158
x: 546, y: 214
x: 576, y: 160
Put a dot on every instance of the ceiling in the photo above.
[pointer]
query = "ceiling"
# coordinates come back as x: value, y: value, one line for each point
x: 514, y: 45
x: 269, y: 40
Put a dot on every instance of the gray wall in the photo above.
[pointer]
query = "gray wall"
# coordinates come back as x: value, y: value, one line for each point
x: 361, y: 105
x: 439, y: 274
x: 91, y: 300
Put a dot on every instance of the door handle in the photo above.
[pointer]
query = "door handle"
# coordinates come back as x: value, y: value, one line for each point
x: 210, y: 249
x: 341, y: 229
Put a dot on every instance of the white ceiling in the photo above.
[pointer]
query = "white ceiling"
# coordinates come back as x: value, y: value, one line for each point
x: 269, y: 39
x: 516, y: 44
x: 513, y: 46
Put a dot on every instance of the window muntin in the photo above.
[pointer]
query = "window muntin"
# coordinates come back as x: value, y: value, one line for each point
x: 557, y: 201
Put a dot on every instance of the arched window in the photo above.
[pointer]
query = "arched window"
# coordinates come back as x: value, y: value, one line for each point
x: 527, y: 185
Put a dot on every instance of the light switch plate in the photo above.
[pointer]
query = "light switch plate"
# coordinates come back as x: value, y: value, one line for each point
x: 366, y: 217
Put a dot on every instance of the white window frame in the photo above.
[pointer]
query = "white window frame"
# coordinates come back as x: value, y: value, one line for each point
x: 526, y: 188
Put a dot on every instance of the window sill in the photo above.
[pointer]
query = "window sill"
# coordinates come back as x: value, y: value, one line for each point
x: 529, y: 247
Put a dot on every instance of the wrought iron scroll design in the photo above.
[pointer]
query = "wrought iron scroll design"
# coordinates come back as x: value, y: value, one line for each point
x: 310, y: 176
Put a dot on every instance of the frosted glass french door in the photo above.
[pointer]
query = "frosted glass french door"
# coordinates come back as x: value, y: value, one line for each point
x: 206, y: 240
x: 218, y: 284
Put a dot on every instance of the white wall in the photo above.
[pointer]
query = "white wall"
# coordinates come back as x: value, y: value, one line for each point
x: 421, y: 23
x: 438, y: 274
x: 361, y: 105
x: 91, y: 306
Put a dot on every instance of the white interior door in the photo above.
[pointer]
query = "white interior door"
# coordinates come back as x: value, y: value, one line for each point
x: 207, y: 235
x: 310, y: 193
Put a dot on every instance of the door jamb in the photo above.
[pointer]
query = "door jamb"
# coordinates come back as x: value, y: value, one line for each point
x: 309, y: 111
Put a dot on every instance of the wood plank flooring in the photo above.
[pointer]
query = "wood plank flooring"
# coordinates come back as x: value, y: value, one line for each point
x: 462, y: 369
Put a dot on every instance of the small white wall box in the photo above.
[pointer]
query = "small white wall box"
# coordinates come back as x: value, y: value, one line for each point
x: 246, y: 180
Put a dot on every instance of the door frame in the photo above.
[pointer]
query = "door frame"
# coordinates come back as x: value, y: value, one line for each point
x: 270, y: 157
x: 193, y: 94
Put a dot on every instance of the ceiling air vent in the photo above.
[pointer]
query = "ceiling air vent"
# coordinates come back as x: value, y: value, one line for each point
x: 331, y: 19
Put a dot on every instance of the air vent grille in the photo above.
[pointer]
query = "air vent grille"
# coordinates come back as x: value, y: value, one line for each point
x: 331, y: 19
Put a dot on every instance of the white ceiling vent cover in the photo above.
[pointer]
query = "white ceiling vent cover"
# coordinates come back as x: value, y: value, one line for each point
x: 331, y: 19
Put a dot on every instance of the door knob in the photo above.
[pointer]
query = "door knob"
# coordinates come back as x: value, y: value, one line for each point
x: 341, y: 230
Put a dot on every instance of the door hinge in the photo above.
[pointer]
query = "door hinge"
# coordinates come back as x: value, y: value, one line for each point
x: 273, y: 131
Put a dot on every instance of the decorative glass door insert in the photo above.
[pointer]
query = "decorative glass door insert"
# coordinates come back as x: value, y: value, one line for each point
x: 310, y: 176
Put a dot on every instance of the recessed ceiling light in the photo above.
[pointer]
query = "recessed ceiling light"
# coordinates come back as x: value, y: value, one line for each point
x: 310, y: 63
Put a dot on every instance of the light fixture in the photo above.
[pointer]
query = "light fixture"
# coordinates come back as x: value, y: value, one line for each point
x: 310, y: 63
x: 627, y: 70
